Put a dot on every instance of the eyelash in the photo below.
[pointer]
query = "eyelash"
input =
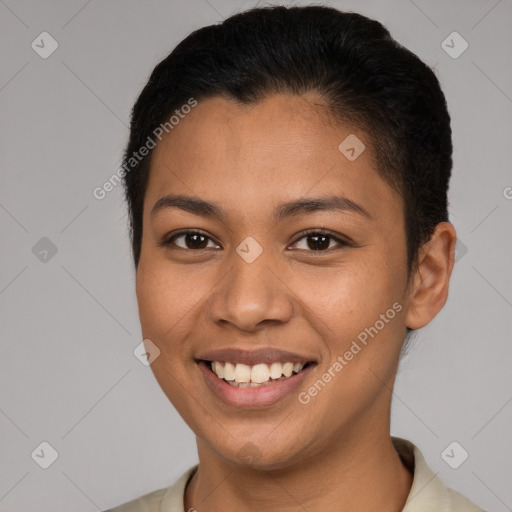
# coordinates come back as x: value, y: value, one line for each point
x: 168, y: 242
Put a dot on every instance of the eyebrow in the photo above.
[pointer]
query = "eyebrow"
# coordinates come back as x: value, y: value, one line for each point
x: 203, y: 208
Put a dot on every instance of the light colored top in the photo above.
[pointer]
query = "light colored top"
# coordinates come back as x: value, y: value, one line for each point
x: 427, y: 494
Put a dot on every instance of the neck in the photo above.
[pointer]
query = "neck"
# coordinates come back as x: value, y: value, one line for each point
x: 357, y: 474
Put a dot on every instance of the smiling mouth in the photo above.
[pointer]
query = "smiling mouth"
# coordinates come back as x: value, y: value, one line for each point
x: 252, y: 376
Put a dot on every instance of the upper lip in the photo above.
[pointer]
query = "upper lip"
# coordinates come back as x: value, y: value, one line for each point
x: 252, y: 357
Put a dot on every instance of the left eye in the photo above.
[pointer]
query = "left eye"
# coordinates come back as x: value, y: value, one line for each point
x: 320, y: 241
x: 196, y: 240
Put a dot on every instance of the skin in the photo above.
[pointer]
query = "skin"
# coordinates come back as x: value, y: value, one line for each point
x: 334, y: 453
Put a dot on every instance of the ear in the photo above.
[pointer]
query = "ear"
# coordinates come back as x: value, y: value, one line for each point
x: 429, y: 289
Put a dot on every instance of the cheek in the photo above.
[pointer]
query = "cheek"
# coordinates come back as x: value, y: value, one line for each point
x: 172, y: 302
x: 352, y: 298
x: 166, y: 302
x: 363, y: 311
x: 164, y: 297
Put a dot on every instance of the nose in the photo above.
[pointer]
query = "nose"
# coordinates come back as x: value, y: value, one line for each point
x: 250, y: 297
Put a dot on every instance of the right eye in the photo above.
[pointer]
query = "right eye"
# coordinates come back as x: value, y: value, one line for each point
x: 192, y: 240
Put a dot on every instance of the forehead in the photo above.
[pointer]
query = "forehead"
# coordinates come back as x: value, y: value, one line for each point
x: 268, y: 128
x: 279, y: 148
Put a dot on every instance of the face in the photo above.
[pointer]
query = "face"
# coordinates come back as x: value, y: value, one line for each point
x: 260, y: 282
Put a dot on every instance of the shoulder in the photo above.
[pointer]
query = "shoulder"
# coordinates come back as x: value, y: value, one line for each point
x: 147, y: 503
x: 459, y: 503
x: 168, y: 499
x: 428, y: 492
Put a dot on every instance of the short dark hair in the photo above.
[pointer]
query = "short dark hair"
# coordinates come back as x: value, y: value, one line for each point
x: 366, y: 78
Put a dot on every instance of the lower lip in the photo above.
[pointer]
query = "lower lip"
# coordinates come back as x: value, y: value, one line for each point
x: 262, y: 396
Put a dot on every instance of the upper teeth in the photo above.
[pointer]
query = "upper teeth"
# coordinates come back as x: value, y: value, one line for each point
x: 258, y: 373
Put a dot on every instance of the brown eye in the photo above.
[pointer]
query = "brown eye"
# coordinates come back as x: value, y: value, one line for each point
x: 319, y: 241
x: 191, y: 240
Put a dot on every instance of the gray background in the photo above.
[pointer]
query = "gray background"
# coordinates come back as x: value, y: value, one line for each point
x: 69, y: 324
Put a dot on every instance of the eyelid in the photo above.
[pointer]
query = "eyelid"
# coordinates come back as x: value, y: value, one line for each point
x: 320, y: 231
x: 342, y: 241
x: 168, y: 240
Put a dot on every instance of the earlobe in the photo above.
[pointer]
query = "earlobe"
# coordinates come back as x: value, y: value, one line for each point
x: 431, y: 279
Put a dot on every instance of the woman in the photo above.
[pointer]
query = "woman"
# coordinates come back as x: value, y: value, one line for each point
x: 286, y: 178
